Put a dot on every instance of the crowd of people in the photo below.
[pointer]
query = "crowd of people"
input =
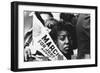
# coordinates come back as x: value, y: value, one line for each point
x: 71, y: 32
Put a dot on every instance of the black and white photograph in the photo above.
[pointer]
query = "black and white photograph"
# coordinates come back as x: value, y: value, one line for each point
x: 66, y: 36
x: 54, y: 36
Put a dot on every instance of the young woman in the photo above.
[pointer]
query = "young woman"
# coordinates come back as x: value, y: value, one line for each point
x: 62, y: 36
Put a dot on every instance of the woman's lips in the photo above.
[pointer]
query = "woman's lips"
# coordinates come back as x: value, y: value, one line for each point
x: 66, y: 48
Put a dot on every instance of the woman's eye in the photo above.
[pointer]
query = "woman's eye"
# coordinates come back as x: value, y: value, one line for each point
x: 62, y: 38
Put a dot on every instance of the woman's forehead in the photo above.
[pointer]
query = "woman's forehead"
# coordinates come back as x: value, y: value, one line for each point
x: 63, y: 32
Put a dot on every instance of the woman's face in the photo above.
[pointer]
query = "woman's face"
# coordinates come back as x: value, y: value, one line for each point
x: 62, y: 41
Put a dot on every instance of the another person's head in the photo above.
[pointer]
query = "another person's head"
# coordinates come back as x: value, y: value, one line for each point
x: 46, y: 15
x: 50, y: 23
x: 61, y: 34
x: 66, y: 17
x: 48, y: 20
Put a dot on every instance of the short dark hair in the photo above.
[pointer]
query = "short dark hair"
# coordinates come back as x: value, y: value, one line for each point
x: 61, y: 25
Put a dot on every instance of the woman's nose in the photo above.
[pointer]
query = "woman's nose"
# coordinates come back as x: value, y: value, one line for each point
x: 66, y: 40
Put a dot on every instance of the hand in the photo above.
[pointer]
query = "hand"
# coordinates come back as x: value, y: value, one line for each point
x: 27, y: 53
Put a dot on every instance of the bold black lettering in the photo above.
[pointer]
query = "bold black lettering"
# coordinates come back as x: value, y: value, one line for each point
x: 45, y: 39
x: 55, y: 51
x: 52, y: 47
x: 48, y: 44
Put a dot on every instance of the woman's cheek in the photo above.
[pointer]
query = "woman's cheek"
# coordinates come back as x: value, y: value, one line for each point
x: 60, y: 44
